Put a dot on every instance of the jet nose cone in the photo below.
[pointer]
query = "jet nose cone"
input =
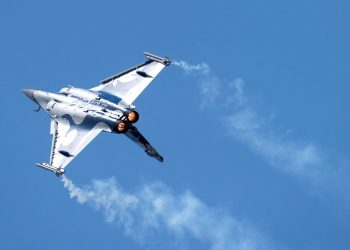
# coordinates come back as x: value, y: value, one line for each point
x: 29, y: 93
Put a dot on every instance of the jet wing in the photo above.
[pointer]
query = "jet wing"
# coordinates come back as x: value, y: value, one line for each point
x: 129, y: 84
x: 135, y: 135
x: 67, y: 142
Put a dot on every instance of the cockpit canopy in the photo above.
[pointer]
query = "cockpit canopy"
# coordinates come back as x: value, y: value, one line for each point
x: 66, y: 90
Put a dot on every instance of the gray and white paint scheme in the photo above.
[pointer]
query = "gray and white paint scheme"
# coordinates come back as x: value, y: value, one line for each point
x: 79, y: 115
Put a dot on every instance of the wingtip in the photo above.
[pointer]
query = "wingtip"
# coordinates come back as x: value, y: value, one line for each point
x: 164, y: 60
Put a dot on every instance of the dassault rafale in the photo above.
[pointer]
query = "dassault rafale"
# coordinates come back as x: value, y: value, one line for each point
x: 79, y: 115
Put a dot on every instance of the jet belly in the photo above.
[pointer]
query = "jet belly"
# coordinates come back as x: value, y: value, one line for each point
x: 85, y: 119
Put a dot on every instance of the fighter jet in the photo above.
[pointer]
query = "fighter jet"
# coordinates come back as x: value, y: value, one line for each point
x: 79, y: 115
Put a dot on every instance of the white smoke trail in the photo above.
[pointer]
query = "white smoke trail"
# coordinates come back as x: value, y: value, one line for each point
x: 247, y: 124
x: 202, y: 67
x: 210, y: 85
x: 155, y: 209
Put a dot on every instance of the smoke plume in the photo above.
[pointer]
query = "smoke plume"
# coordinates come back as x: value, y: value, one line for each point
x: 155, y: 209
x: 249, y: 124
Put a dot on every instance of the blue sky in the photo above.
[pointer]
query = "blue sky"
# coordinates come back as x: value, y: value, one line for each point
x: 252, y: 123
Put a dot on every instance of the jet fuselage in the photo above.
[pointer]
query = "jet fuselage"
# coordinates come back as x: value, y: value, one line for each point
x: 82, y: 104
